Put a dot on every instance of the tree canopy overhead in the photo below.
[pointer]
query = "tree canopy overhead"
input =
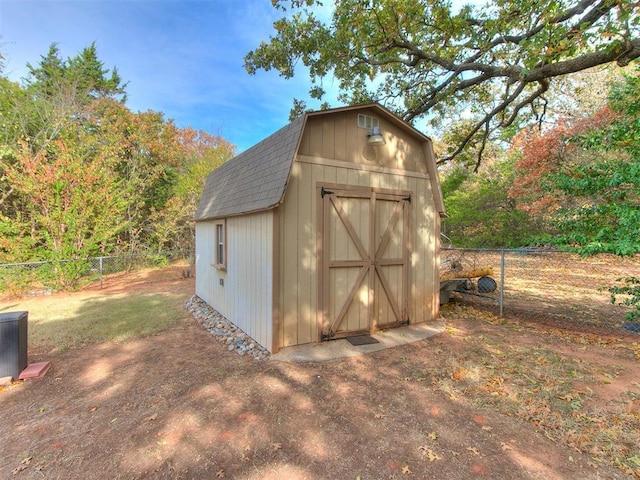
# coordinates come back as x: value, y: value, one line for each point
x: 488, y: 64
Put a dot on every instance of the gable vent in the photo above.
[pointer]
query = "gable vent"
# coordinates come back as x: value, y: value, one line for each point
x: 367, y: 122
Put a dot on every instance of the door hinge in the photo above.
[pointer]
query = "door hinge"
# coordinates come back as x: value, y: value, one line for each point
x: 327, y: 336
x: 324, y: 192
x: 407, y: 199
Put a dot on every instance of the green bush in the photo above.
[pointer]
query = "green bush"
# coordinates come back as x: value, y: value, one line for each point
x: 17, y: 280
x: 631, y: 296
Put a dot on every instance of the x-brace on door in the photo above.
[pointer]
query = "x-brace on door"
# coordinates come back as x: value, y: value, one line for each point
x: 364, y: 259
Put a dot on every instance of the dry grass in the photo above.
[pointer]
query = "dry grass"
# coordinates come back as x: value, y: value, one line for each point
x: 71, y: 321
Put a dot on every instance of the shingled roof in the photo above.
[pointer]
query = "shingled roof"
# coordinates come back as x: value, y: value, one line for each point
x: 253, y: 181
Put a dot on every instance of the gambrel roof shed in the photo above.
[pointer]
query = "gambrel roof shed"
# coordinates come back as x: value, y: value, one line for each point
x: 315, y: 233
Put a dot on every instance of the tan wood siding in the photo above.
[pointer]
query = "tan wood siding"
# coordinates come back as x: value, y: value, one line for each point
x: 338, y: 137
x: 393, y: 274
x: 297, y: 262
x: 299, y: 275
x: 364, y: 262
x: 347, y: 247
x: 246, y: 295
x: 425, y: 230
x: 275, y: 282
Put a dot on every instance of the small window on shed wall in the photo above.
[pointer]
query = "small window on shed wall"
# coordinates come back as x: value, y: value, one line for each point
x: 220, y: 255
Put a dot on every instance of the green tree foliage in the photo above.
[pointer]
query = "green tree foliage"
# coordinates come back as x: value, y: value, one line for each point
x: 582, y: 94
x: 491, y: 64
x: 627, y: 292
x: 81, y: 175
x: 583, y: 177
x: 61, y: 201
x: 612, y: 217
x: 145, y: 153
x: 481, y: 214
x: 10, y: 95
x: 73, y: 205
x: 84, y: 73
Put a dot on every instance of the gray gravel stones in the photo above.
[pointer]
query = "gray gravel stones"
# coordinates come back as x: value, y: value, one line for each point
x: 225, y: 331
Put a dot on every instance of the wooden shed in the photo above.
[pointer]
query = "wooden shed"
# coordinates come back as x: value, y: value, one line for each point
x: 323, y: 230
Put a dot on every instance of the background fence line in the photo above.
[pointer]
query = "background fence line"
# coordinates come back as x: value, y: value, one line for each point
x: 471, y: 255
x: 15, y: 277
x: 534, y: 284
x: 547, y: 285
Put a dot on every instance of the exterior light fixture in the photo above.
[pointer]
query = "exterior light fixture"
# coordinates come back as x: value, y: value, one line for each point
x: 375, y: 137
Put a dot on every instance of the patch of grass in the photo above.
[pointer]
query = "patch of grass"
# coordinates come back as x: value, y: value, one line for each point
x: 63, y: 323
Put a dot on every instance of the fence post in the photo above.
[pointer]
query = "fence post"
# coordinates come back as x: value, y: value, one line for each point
x: 100, y: 268
x: 501, y: 282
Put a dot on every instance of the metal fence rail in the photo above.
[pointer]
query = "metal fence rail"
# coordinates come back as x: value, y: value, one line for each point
x: 548, y: 285
x: 27, y: 277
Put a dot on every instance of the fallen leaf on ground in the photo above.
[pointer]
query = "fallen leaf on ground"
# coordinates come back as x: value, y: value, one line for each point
x: 473, y: 450
x: 379, y: 415
x: 505, y: 447
x: 433, y: 436
x: 430, y: 454
x: 220, y: 474
x: 406, y: 470
x: 276, y: 446
x: 151, y: 418
x: 17, y: 470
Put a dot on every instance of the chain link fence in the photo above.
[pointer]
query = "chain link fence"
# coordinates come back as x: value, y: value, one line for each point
x: 33, y: 277
x: 545, y: 286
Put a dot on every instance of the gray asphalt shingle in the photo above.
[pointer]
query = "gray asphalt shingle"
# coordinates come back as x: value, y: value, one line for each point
x: 254, y: 180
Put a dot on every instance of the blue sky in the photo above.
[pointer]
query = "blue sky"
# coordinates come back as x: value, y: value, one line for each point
x: 183, y: 58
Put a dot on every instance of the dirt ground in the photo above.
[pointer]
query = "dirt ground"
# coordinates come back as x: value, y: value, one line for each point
x: 179, y: 405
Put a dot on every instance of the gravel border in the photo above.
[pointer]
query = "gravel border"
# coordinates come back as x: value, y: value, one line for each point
x: 225, y: 331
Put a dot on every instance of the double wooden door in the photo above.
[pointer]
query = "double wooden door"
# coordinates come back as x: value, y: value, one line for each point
x: 364, y: 259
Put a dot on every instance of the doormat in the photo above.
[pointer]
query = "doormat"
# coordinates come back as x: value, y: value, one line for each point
x: 362, y: 340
